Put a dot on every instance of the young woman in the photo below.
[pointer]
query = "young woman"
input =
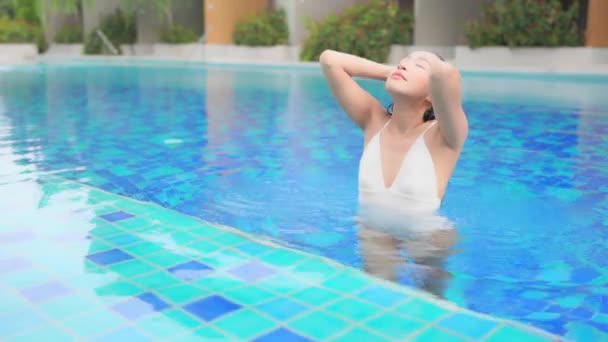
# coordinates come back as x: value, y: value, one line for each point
x: 410, y: 151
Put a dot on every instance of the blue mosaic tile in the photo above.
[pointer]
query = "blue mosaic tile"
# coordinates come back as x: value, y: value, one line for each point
x: 116, y: 216
x: 253, y: 271
x: 467, y: 325
x: 139, y: 306
x: 382, y: 296
x: 281, y: 335
x: 45, y: 291
x: 190, y: 271
x: 210, y: 308
x: 109, y: 257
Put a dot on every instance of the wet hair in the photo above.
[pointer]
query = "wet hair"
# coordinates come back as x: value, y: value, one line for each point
x: 429, y: 114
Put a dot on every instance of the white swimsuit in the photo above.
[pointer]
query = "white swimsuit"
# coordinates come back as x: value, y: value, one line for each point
x: 411, y: 201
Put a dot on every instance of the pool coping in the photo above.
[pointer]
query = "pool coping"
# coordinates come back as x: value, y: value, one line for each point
x: 410, y: 291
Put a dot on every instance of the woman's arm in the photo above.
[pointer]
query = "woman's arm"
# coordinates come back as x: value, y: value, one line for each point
x: 446, y: 92
x: 339, y: 69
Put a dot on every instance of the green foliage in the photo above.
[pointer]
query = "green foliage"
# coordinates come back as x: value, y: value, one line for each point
x: 526, y: 23
x: 265, y: 29
x: 178, y: 34
x: 70, y: 34
x: 7, y: 9
x: 28, y: 10
x: 120, y: 28
x: 20, y: 31
x: 367, y: 30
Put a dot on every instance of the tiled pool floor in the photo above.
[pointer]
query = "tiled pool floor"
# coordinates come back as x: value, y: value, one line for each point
x: 78, y: 263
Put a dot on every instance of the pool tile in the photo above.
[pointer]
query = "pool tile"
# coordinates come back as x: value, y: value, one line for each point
x: 116, y: 216
x: 157, y: 280
x: 467, y: 325
x: 382, y: 296
x: 228, y: 239
x: 94, y: 323
x: 122, y: 240
x: 161, y: 326
x: 315, y: 268
x: 353, y: 309
x: 182, y: 318
x: 253, y: 249
x: 508, y: 334
x: 394, y: 326
x: 281, y: 335
x: 359, y: 334
x: 20, y: 321
x: 203, y: 246
x: 283, y: 309
x: 207, y: 333
x: 211, y: 307
x: 109, y: 257
x: 182, y: 293
x: 283, y: 283
x: 219, y: 282
x: 165, y: 259
x: 253, y: 271
x: 105, y: 230
x: 190, y: 271
x: 135, y: 224
x: 45, y: 333
x: 422, y: 310
x: 315, y: 296
x: 244, y: 324
x: 318, y: 325
x: 13, y: 264
x: 63, y: 307
x: 434, y: 334
x: 144, y: 304
x: 123, y: 334
x: 346, y: 282
x: 205, y: 231
x: 131, y: 268
x: 118, y: 288
x: 142, y: 248
x: 282, y: 258
x: 46, y: 291
x: 248, y: 295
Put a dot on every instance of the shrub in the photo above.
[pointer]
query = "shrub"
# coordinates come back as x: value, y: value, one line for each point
x: 178, y: 34
x: 19, y: 31
x: 525, y: 23
x: 120, y: 28
x: 367, y: 30
x: 71, y: 34
x: 265, y: 29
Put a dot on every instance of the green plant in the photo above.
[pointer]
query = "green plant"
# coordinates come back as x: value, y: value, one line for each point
x: 69, y: 34
x: 119, y: 28
x: 178, y: 34
x: 265, y: 29
x: 366, y: 30
x: 20, y: 31
x: 530, y: 23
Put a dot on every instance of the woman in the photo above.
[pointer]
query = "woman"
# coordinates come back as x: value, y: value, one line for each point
x: 408, y: 157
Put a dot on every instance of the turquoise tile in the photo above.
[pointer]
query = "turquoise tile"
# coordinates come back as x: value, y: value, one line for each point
x: 94, y: 323
x: 224, y: 259
x: 353, y: 309
x: 207, y: 333
x: 48, y: 333
x: 245, y: 324
x: 142, y: 248
x: 103, y: 230
x: 135, y: 224
x: 132, y: 268
x: 118, y: 288
x: 97, y: 245
x: 283, y: 257
x: 434, y: 334
x: 419, y: 309
x: 318, y: 325
x: 204, y: 246
x: 161, y: 326
x: 156, y: 280
x: 249, y: 295
x: 346, y: 282
x: 467, y: 325
x: 359, y: 334
x: 166, y: 259
x: 27, y: 278
x: 183, y: 293
x: 123, y: 334
x: 394, y: 326
x: 9, y: 301
x: 131, y: 206
x: 219, y: 282
x: 182, y: 238
x: 282, y: 283
x: 509, y: 334
x: 182, y: 318
x: 253, y: 249
x: 316, y: 269
x: 382, y: 296
x: 315, y: 296
x: 283, y: 309
x: 228, y: 239
x: 66, y: 306
x: 205, y: 231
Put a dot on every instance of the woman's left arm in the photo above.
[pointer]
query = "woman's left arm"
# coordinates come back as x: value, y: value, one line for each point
x: 446, y: 92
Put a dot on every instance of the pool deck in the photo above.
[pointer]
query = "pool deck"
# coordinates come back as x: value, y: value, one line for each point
x: 77, y: 263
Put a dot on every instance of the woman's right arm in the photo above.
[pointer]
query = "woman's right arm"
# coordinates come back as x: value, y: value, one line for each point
x: 339, y: 69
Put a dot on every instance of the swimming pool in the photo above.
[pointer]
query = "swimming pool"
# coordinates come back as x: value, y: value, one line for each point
x: 268, y: 151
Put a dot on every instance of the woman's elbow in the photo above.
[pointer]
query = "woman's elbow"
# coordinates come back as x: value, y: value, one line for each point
x: 326, y: 57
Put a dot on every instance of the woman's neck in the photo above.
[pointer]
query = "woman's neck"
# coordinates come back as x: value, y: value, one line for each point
x: 406, y: 117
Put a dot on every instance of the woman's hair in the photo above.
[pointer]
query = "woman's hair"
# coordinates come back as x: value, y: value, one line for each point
x: 429, y: 114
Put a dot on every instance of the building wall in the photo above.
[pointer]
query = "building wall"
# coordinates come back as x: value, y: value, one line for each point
x: 55, y: 20
x: 221, y: 17
x: 441, y: 22
x: 596, y: 34
x: 93, y: 11
x: 297, y: 11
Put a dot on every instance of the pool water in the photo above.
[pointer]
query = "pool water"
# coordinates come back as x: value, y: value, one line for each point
x: 267, y: 150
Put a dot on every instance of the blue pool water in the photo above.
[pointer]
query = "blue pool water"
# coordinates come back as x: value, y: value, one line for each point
x: 267, y: 150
